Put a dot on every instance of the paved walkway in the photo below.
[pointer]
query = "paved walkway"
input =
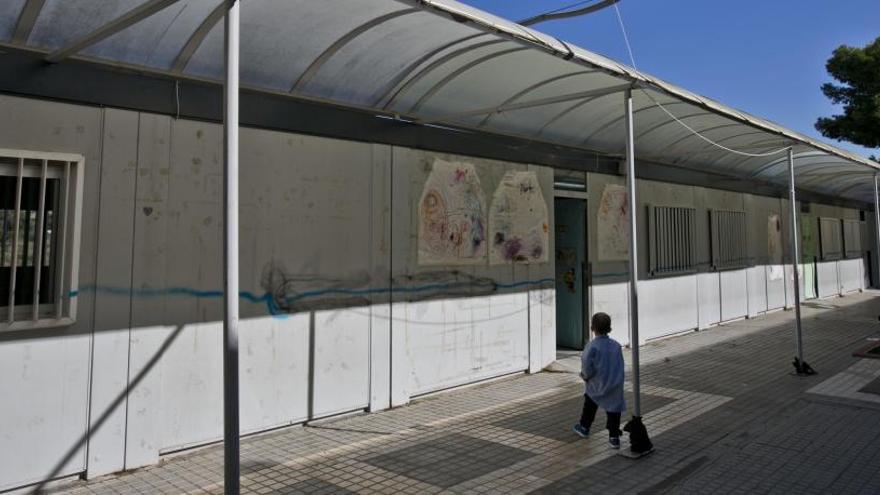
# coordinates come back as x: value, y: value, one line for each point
x: 723, y: 410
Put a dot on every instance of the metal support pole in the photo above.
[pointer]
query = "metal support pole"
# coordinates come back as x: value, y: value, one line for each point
x: 877, y: 227
x: 231, y: 472
x: 801, y: 367
x: 633, y: 254
x: 640, y: 443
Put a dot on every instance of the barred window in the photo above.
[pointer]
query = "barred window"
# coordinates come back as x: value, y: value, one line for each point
x: 830, y: 242
x: 852, y: 238
x: 39, y: 202
x: 671, y: 234
x: 728, y: 239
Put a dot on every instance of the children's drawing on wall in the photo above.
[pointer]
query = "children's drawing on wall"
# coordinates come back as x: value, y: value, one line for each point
x: 774, y: 247
x: 452, y: 216
x: 613, y: 224
x: 518, y: 221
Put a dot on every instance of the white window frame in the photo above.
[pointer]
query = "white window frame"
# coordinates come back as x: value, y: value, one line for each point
x: 62, y: 311
x: 725, y: 241
x: 668, y: 253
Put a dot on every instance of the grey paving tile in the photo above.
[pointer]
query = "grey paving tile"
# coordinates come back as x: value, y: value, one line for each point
x: 449, y: 460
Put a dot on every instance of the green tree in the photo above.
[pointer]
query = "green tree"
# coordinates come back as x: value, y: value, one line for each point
x: 858, y: 71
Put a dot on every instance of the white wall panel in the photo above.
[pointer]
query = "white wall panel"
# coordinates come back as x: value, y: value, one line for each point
x: 667, y: 305
x: 826, y: 272
x: 342, y: 361
x: 851, y: 277
x: 613, y: 298
x: 734, y: 294
x: 542, y: 328
x: 776, y: 293
x: 455, y: 341
x: 709, y: 297
x: 757, y: 290
x: 501, y: 323
x: 273, y: 378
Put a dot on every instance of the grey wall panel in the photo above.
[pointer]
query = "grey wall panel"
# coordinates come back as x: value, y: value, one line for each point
x: 666, y: 304
x: 609, y: 287
x: 113, y: 313
x: 151, y: 332
x: 380, y: 309
x: 312, y: 204
x: 47, y: 371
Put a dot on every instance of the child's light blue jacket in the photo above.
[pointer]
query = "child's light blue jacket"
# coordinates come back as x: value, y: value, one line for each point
x: 602, y: 369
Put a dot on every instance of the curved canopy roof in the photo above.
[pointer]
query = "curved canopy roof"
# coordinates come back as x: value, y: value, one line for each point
x: 436, y: 62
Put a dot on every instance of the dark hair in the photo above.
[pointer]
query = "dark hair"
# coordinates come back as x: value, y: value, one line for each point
x: 601, y: 323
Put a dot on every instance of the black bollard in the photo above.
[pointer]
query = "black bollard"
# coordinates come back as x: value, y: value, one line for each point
x: 639, y: 442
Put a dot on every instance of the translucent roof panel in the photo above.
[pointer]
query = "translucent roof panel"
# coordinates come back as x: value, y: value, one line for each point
x: 157, y: 40
x: 9, y: 12
x: 61, y: 22
x: 284, y: 37
x: 359, y: 69
x: 435, y: 62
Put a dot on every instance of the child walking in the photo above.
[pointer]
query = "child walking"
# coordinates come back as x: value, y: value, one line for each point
x: 602, y: 371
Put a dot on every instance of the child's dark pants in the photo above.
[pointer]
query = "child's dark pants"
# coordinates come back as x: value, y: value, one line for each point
x: 612, y: 422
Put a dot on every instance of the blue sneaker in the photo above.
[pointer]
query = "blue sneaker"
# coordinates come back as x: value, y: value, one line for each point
x: 580, y: 430
x: 614, y: 442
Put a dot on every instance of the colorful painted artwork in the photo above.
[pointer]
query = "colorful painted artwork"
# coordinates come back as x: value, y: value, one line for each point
x: 518, y: 221
x: 613, y: 224
x: 774, y: 247
x: 452, y: 216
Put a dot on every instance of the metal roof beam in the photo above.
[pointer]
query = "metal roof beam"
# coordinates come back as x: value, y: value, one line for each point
x: 26, y: 20
x: 131, y: 17
x: 196, y: 39
x: 550, y: 16
x: 530, y: 104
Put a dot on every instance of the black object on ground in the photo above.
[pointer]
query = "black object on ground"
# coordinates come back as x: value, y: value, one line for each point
x: 638, y: 436
x: 802, y: 368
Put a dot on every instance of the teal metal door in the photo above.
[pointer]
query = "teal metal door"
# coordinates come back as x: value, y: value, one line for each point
x: 570, y: 268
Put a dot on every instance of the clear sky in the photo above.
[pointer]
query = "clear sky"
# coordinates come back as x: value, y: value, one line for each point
x: 766, y: 57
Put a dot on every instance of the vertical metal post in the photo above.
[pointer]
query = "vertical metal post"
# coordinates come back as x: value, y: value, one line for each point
x: 231, y: 466
x: 795, y: 241
x: 876, y: 264
x: 633, y: 255
x: 61, y: 254
x: 38, y: 247
x: 13, y: 267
